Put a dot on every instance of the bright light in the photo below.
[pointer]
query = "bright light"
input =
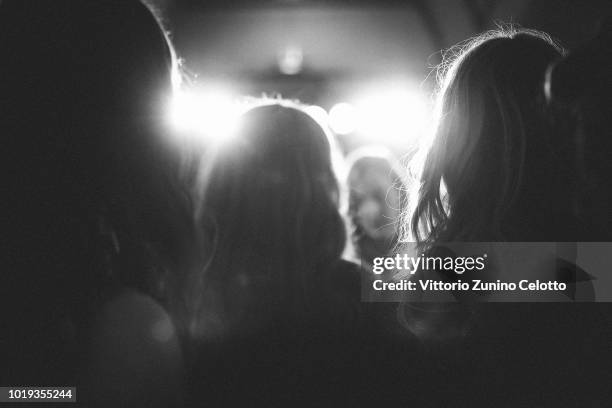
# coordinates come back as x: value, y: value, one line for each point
x: 343, y: 118
x: 394, y: 114
x: 210, y: 114
x: 290, y: 60
x: 385, y: 114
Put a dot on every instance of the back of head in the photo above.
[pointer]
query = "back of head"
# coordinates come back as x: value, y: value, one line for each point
x: 272, y: 198
x: 489, y: 172
x: 81, y: 85
x: 103, y: 56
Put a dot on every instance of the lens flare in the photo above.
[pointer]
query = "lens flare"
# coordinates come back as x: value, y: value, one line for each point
x: 383, y: 114
x: 343, y: 118
x: 393, y: 114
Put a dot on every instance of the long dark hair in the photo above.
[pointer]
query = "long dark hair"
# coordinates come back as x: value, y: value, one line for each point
x: 270, y: 204
x: 490, y: 169
x: 93, y: 194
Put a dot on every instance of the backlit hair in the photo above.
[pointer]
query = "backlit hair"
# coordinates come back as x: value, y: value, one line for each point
x: 489, y: 151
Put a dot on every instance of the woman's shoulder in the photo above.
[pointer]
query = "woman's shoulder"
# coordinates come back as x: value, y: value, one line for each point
x: 134, y: 350
x: 132, y: 304
x: 136, y: 321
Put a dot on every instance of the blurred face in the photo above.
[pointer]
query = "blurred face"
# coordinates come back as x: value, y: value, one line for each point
x: 374, y: 202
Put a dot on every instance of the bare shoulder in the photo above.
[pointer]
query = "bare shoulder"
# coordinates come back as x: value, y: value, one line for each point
x: 135, y: 356
x: 137, y: 314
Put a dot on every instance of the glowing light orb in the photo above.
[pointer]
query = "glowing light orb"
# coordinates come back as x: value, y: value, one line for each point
x: 343, y: 118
